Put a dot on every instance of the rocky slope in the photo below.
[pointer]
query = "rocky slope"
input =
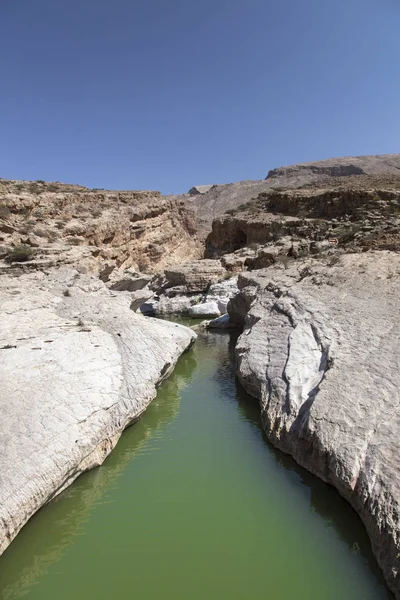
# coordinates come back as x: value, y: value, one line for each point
x: 319, y: 350
x: 95, y: 230
x: 219, y: 199
x: 77, y: 367
x: 222, y: 198
x: 304, y: 173
x: 358, y: 215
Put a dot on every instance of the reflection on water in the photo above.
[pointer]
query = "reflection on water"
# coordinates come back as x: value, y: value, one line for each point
x: 64, y: 518
x: 195, y: 494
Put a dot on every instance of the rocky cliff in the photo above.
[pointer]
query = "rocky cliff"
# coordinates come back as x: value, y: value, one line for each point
x: 96, y: 230
x: 319, y: 350
x: 326, y: 173
x: 357, y: 213
x: 316, y: 249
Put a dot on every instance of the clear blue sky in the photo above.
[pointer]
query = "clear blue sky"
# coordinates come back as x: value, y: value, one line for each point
x: 164, y: 94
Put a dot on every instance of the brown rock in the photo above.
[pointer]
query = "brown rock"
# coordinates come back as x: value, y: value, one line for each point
x: 195, y: 276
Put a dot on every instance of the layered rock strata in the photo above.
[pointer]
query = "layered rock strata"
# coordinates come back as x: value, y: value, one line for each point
x: 307, y: 221
x: 96, y: 231
x: 344, y: 171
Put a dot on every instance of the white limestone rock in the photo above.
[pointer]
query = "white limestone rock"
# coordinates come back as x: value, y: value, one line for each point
x: 216, y: 300
x: 165, y: 306
x: 320, y: 351
x: 77, y: 366
x: 204, y: 310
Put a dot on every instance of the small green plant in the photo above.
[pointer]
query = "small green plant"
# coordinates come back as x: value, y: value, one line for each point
x: 4, y: 211
x: 40, y: 232
x: 20, y: 253
x: 40, y: 181
x: 226, y: 275
x: 74, y: 241
x: 243, y: 206
x: 80, y: 208
x: 34, y: 188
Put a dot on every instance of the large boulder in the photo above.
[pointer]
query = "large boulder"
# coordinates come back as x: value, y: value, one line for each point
x: 320, y: 351
x: 128, y: 280
x: 222, y: 322
x: 205, y: 310
x: 174, y: 301
x: 77, y: 367
x: 165, y: 306
x: 196, y: 276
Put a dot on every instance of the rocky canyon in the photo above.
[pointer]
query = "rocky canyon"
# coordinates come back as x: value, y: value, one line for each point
x: 305, y: 262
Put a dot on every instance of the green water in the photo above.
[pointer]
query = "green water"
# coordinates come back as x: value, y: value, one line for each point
x: 194, y: 504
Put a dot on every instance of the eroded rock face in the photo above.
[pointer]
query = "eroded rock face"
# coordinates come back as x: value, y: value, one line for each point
x: 194, y: 277
x: 355, y: 218
x: 177, y: 300
x: 320, y: 351
x: 77, y: 366
x: 95, y: 231
x: 220, y: 199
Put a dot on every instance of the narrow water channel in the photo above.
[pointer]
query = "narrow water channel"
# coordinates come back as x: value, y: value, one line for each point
x: 194, y: 504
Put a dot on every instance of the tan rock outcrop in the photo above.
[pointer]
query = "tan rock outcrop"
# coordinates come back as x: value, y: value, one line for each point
x: 96, y: 231
x: 367, y: 171
x: 354, y: 219
x: 194, y: 277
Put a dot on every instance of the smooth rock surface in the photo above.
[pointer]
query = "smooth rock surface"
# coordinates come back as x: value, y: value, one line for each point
x: 128, y: 280
x: 140, y: 297
x: 320, y: 351
x: 222, y: 322
x: 77, y: 366
x: 204, y: 310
